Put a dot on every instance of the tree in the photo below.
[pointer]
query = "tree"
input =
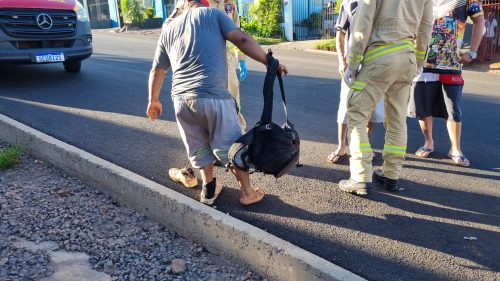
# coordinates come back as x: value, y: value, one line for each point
x: 133, y: 11
x: 265, y: 19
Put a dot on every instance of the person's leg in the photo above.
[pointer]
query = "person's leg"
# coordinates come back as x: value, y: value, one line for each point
x: 396, y: 100
x: 207, y: 173
x: 489, y: 49
x: 373, y: 80
x: 341, y: 150
x: 453, y: 96
x: 248, y: 195
x: 426, y: 127
x: 426, y: 101
x: 376, y: 118
x: 455, y: 132
x: 224, y: 129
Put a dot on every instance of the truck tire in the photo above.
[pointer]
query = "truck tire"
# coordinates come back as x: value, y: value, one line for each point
x: 73, y: 66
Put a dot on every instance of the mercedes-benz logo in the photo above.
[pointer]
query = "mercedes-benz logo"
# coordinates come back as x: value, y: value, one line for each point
x: 44, y: 21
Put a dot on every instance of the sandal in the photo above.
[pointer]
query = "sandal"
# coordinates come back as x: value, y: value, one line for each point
x: 335, y: 158
x: 424, y: 152
x: 460, y: 160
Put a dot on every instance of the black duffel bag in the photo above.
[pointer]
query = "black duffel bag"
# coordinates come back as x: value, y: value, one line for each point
x: 268, y: 147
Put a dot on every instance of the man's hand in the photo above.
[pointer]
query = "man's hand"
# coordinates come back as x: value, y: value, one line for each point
x: 465, y: 58
x: 283, y: 70
x: 243, y: 70
x: 342, y: 67
x: 154, y: 109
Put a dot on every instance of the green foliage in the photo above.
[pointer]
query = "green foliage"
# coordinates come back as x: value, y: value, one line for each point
x: 133, y: 11
x: 265, y: 19
x: 326, y: 45
x: 149, y: 13
x: 9, y: 157
x: 124, y: 7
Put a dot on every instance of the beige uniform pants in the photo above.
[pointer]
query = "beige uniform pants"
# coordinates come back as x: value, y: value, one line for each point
x: 233, y: 84
x: 389, y: 76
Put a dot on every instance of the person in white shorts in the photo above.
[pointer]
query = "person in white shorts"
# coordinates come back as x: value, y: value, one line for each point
x: 343, y: 26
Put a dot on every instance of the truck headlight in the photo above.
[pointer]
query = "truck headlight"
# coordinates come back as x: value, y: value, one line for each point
x: 81, y: 13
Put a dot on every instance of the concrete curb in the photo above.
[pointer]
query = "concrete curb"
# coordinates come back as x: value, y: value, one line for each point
x: 217, y: 232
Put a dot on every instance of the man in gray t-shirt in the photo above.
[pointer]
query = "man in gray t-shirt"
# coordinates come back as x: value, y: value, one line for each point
x: 199, y: 68
x: 193, y: 45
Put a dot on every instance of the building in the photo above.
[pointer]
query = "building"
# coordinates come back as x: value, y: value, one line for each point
x: 303, y: 19
x: 106, y: 13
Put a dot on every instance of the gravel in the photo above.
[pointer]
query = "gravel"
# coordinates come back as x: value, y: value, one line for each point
x: 40, y: 203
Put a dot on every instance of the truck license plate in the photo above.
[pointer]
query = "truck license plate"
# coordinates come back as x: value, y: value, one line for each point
x: 49, y: 57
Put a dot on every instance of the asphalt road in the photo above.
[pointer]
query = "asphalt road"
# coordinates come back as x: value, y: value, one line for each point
x: 415, y: 234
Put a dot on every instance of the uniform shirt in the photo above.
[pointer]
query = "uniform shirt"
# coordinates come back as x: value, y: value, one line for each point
x: 193, y: 44
x: 450, y: 18
x: 383, y: 27
x: 230, y: 8
x: 346, y: 15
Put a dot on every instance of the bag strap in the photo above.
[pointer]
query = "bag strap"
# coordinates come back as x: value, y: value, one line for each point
x: 282, y: 89
x: 272, y: 72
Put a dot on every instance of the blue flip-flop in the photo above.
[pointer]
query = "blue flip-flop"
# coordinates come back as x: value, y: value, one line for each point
x: 458, y: 159
x: 424, y: 150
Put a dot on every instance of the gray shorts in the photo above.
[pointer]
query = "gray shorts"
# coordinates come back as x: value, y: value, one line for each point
x: 208, y: 128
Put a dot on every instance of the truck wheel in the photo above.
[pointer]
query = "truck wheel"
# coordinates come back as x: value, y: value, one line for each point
x: 72, y: 66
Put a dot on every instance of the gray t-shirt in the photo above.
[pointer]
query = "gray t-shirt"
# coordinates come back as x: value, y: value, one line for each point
x: 193, y: 44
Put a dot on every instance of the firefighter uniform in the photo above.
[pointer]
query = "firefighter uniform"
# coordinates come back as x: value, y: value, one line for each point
x: 234, y: 55
x: 387, y: 46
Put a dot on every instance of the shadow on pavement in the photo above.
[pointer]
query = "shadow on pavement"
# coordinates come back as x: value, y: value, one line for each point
x: 79, y: 109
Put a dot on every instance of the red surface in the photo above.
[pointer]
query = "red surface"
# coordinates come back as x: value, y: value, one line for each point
x: 39, y: 4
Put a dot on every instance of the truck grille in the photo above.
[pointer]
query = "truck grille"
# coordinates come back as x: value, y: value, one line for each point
x: 23, y: 23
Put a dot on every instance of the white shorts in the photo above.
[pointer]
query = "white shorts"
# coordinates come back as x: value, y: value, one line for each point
x: 208, y: 128
x: 377, y: 115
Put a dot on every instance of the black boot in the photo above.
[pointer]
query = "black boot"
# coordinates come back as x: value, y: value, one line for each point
x: 389, y: 184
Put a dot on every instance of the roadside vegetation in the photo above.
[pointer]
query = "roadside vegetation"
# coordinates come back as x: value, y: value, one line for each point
x: 264, y: 22
x: 133, y: 11
x: 268, y: 41
x: 9, y: 157
x: 326, y: 45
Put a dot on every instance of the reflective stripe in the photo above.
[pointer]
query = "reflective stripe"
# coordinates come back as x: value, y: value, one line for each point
x: 358, y: 85
x: 365, y: 147
x: 395, y: 149
x: 201, y: 152
x: 420, y: 54
x: 222, y: 153
x: 384, y: 49
x: 355, y: 58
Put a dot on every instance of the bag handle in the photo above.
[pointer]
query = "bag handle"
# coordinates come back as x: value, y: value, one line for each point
x: 272, y: 72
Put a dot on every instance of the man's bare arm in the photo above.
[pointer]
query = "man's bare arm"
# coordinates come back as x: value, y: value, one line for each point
x: 477, y: 33
x: 340, y: 43
x: 247, y: 45
x: 156, y: 77
x: 251, y: 48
